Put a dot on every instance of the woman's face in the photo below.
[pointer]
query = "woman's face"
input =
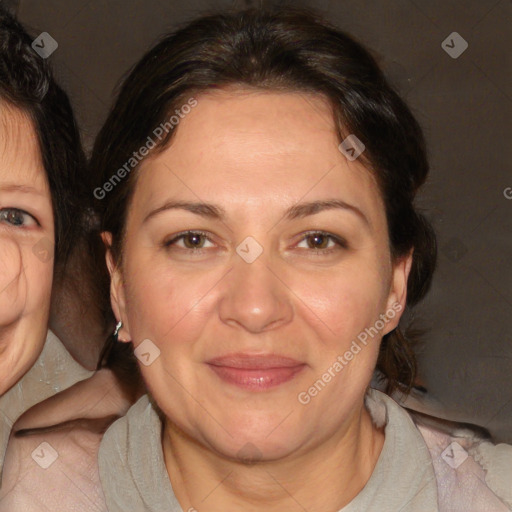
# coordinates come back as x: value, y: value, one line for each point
x: 26, y: 247
x: 287, y: 264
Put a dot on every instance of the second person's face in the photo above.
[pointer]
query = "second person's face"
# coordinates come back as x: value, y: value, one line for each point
x: 255, y: 254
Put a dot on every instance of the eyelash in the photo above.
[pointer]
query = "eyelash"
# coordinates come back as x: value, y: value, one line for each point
x: 4, y: 211
x: 340, y: 242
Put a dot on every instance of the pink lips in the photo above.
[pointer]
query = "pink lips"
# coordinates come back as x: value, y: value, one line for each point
x: 255, y: 373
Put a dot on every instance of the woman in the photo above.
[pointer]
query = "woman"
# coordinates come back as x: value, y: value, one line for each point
x: 41, y: 186
x: 42, y: 195
x: 261, y: 255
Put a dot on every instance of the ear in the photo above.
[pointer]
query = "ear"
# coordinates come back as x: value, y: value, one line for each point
x: 397, y: 297
x: 117, y: 291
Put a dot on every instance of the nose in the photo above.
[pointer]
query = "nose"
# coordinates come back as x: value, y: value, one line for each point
x: 254, y: 298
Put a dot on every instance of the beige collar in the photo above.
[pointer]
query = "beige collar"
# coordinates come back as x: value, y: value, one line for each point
x: 134, y: 476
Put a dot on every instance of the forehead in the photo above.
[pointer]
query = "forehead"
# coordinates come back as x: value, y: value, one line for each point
x: 243, y: 126
x: 20, y: 156
x: 244, y: 148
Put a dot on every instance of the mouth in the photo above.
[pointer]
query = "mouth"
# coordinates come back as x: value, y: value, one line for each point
x: 255, y: 372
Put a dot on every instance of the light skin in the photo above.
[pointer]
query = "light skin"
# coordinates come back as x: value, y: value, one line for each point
x: 26, y: 247
x: 254, y: 155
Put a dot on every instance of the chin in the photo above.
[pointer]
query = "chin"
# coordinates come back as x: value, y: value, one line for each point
x: 251, y: 449
x: 253, y: 438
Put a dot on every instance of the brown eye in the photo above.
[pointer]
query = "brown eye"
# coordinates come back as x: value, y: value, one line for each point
x: 322, y: 242
x: 193, y: 240
x: 318, y: 241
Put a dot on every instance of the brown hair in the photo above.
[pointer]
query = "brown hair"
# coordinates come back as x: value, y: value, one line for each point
x: 286, y: 50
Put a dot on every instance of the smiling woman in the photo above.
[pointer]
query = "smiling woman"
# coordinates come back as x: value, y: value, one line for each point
x: 257, y: 242
x: 41, y: 184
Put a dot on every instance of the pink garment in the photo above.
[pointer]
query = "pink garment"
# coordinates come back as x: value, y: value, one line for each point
x: 470, y: 472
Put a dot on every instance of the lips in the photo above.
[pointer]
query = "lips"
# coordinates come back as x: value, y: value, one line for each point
x: 255, y: 372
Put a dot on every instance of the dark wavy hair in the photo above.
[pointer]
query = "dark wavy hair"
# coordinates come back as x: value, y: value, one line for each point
x: 282, y: 49
x: 27, y: 84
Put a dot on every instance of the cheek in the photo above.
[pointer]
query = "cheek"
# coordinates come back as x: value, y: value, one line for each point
x: 163, y: 304
x: 38, y: 265
x: 344, y: 301
x: 25, y: 280
x: 13, y: 291
x: 26, y: 283
x: 337, y: 302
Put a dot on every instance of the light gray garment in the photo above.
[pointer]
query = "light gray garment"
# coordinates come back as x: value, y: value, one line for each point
x: 134, y: 476
x: 54, y: 371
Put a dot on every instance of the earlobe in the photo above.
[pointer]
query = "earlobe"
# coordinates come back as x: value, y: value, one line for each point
x: 117, y: 292
x: 118, y: 301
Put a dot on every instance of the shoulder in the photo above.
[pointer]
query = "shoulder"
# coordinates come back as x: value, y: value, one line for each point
x: 496, y: 460
x: 54, y: 468
x: 98, y: 396
x: 52, y: 454
x: 471, y: 471
x: 53, y: 371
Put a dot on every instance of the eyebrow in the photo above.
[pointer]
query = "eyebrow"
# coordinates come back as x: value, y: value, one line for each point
x: 300, y: 210
x: 305, y: 209
x: 26, y: 189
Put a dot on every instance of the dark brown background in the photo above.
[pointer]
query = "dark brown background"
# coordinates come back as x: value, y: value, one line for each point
x: 465, y: 107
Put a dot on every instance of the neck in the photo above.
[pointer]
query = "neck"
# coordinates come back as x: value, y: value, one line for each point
x: 340, y: 466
